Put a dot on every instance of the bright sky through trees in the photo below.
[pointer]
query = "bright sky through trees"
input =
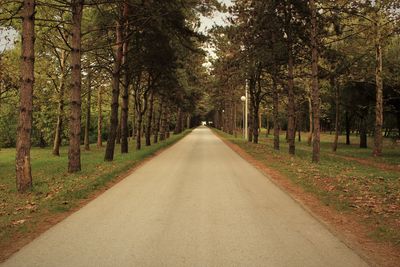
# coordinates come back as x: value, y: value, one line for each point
x: 218, y: 18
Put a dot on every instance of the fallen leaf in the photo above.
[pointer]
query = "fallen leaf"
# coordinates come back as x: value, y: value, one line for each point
x: 19, y: 222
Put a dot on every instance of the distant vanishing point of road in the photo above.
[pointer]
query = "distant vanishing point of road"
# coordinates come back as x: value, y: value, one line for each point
x: 196, y: 204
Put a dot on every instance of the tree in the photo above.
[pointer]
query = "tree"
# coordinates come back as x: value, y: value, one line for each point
x: 23, y: 159
x: 109, y: 154
x: 60, y: 109
x: 86, y: 141
x: 74, y: 151
x: 127, y: 77
x: 315, y: 96
x: 378, y: 21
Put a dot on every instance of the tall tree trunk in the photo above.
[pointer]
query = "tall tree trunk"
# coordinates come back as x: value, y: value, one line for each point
x: 74, y: 152
x: 167, y: 123
x: 139, y: 131
x: 112, y: 133
x: 363, y: 133
x: 124, y: 117
x: 275, y: 99
x: 133, y: 120
x: 315, y: 84
x: 158, y: 123
x: 398, y: 124
x: 150, y: 119
x: 118, y: 134
x: 348, y: 129
x: 298, y: 125
x: 183, y: 121
x: 256, y: 123
x: 99, y: 118
x: 125, y: 92
x: 310, y: 120
x: 23, y: 147
x: 60, y: 109
x: 291, y: 132
x: 178, y: 126
x: 231, y: 119
x: 337, y: 115
x: 234, y: 119
x: 163, y: 124
x: 299, y: 134
x: 378, y: 140
x: 87, y: 124
x: 250, y: 119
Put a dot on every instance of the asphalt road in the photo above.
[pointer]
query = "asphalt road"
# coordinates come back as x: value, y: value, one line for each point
x: 196, y: 204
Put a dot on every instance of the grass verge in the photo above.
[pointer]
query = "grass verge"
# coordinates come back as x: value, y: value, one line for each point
x: 370, y: 192
x: 55, y: 192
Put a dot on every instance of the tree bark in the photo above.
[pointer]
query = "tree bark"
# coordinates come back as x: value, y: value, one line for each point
x: 149, y: 124
x: 363, y: 133
x: 398, y: 125
x: 87, y: 123
x: 163, y: 124
x: 141, y: 102
x: 60, y: 109
x: 74, y: 152
x: 234, y: 119
x: 23, y: 146
x: 183, y: 121
x: 112, y: 133
x: 125, y: 91
x: 298, y: 126
x: 250, y: 118
x: 124, y: 117
x: 254, y: 108
x: 378, y: 139
x: 256, y: 123
x: 299, y: 134
x: 178, y: 125
x: 133, y: 120
x: 99, y: 118
x: 315, y: 84
x: 158, y: 123
x: 118, y: 134
x: 275, y: 99
x: 231, y: 118
x: 310, y: 119
x: 291, y: 133
x: 348, y: 129
x: 167, y: 123
x: 139, y: 131
x: 337, y: 115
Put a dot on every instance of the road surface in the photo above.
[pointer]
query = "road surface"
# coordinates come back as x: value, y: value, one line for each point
x: 196, y: 204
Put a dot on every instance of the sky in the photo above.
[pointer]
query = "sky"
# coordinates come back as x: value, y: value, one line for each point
x: 206, y: 24
x: 6, y: 38
x: 217, y: 19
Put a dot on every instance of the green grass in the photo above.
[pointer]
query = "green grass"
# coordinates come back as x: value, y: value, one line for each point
x: 56, y: 191
x: 371, y: 192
